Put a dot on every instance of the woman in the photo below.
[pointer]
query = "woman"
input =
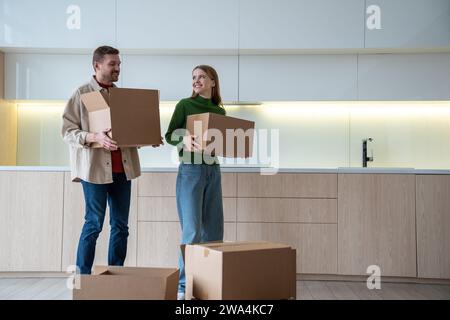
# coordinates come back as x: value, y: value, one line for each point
x: 198, y: 188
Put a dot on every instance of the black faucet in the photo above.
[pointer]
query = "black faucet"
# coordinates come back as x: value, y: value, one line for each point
x: 365, y: 158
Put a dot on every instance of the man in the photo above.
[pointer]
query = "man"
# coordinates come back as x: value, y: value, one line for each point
x: 105, y: 173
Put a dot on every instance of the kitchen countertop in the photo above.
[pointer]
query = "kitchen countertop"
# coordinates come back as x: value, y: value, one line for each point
x: 244, y: 169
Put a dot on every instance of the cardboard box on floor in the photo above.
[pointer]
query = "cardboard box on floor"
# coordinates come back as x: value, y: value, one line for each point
x: 240, y: 271
x: 132, y: 115
x: 128, y: 283
x: 237, y: 134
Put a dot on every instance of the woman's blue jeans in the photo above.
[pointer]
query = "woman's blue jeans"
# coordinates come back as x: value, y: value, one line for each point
x: 200, y: 209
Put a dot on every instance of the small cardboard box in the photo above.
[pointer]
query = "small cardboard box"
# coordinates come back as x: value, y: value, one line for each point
x: 128, y: 283
x: 240, y: 271
x: 132, y: 115
x: 232, y: 137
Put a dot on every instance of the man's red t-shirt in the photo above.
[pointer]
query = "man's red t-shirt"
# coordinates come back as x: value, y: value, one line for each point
x: 116, y: 156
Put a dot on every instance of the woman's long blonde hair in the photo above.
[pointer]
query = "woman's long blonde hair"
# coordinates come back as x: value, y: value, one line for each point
x: 215, y: 93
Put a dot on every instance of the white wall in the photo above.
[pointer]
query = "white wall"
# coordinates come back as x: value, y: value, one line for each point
x: 406, y: 134
x: 39, y: 141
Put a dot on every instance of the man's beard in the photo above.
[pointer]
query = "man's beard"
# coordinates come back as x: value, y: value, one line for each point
x: 114, y: 77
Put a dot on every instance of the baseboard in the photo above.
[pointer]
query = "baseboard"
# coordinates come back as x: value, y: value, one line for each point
x: 300, y: 276
x: 338, y: 277
x: 33, y: 275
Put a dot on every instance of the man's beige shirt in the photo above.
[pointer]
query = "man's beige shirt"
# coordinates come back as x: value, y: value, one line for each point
x: 91, y: 164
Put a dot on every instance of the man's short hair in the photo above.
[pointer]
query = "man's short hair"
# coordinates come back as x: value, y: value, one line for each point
x: 100, y: 53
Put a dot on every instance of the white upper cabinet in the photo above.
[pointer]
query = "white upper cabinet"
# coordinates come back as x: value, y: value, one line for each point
x: 297, y: 77
x: 57, y: 23
x: 408, y: 24
x: 45, y: 76
x: 225, y: 24
x: 177, y: 24
x: 57, y: 76
x: 404, y: 76
x: 172, y: 75
x: 301, y: 24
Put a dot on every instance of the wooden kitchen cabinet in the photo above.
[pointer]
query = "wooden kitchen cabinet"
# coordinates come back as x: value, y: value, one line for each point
x: 165, y: 209
x: 376, y: 224
x: 31, y: 215
x: 157, y: 184
x: 157, y: 200
x: 159, y: 242
x: 299, y: 209
x: 159, y: 231
x: 287, y: 185
x: 433, y: 226
x: 339, y: 224
x: 287, y: 210
x: 307, y: 201
x: 162, y: 184
x: 316, y: 244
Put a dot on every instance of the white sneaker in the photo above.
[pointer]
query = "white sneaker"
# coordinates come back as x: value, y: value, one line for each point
x: 180, y: 296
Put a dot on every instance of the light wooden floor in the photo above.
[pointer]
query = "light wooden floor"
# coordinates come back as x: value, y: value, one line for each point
x: 55, y: 289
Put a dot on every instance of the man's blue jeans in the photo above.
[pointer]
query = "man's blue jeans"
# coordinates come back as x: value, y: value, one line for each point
x: 117, y: 195
x: 199, y: 203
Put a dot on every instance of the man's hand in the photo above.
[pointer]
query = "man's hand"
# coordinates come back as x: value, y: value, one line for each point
x: 103, y: 139
x: 190, y: 143
x: 157, y: 145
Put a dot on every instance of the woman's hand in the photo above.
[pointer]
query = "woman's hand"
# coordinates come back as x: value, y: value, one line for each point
x: 190, y: 143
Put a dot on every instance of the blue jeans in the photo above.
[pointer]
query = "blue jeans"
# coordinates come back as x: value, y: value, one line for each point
x: 199, y: 203
x: 118, y: 195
